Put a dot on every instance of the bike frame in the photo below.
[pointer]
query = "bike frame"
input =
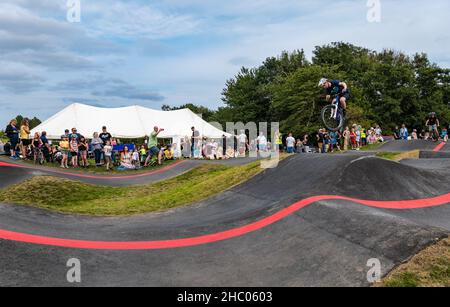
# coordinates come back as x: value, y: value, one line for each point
x: 336, y: 102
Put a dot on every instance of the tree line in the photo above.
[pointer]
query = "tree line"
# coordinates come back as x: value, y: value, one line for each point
x: 33, y: 122
x: 389, y: 88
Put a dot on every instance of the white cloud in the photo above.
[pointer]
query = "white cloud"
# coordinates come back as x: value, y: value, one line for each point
x: 129, y: 19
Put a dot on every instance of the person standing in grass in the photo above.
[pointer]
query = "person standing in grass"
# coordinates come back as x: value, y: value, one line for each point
x: 12, y: 132
x: 107, y: 150
x: 64, y: 147
x: 358, y: 137
x: 278, y: 141
x: 404, y: 133
x: 36, y: 145
x: 290, y: 144
x: 353, y: 139
x: 346, y: 138
x: 97, y: 146
x: 105, y: 136
x: 363, y: 137
x: 320, y: 140
x: 153, y: 149
x: 83, y: 147
x: 24, y: 138
x: 143, y: 154
x: 194, y: 140
x: 74, y: 149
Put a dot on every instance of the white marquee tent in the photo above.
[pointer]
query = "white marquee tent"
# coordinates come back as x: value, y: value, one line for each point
x: 128, y: 122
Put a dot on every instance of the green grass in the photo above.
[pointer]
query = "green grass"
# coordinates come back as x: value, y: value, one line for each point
x: 403, y: 280
x: 430, y: 268
x: 372, y: 147
x: 388, y: 155
x: 73, y: 197
x: 398, y: 156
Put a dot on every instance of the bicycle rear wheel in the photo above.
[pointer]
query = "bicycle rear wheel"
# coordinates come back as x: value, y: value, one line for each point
x: 332, y: 123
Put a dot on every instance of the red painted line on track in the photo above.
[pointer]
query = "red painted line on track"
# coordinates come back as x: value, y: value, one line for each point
x: 439, y: 147
x: 5, y: 164
x: 220, y: 236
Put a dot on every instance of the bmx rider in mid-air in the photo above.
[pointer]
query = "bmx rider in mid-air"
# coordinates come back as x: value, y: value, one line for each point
x: 336, y: 88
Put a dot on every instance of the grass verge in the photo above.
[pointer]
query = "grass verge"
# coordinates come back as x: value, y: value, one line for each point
x: 73, y: 197
x: 430, y: 268
x: 372, y: 147
x: 397, y: 157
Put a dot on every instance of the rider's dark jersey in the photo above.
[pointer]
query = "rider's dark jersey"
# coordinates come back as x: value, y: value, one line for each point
x: 335, y: 88
x: 432, y: 121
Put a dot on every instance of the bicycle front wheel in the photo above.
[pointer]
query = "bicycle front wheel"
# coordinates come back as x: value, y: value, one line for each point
x: 332, y: 122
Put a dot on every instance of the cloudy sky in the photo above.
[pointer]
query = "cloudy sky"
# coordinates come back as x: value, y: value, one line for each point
x: 154, y: 52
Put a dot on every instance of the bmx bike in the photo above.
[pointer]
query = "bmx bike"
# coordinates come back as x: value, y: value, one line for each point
x: 333, y: 115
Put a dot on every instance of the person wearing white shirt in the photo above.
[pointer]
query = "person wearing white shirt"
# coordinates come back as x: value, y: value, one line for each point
x: 242, y: 138
x: 290, y: 144
x: 262, y: 142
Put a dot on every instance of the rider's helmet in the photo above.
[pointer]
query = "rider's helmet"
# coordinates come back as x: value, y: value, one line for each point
x: 322, y: 82
x: 432, y: 114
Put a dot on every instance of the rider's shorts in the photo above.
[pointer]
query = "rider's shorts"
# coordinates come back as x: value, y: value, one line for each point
x: 432, y: 128
x: 346, y: 95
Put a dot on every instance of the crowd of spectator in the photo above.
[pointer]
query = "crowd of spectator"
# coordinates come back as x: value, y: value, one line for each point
x: 73, y: 150
x: 77, y: 151
x: 103, y: 150
x: 406, y: 134
x: 353, y: 138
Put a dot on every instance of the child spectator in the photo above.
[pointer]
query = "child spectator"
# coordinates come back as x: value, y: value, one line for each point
x: 36, y: 145
x: 372, y: 137
x: 444, y: 135
x: 107, y: 151
x: 74, y: 151
x: 168, y: 153
x: 135, y: 158
x: 64, y: 146
x: 143, y: 154
x: 363, y: 137
x: 83, y: 148
x: 353, y: 139
x: 230, y: 153
x: 358, y: 137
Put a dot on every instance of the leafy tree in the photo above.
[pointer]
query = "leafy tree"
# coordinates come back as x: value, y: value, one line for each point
x: 204, y: 112
x: 388, y: 88
x: 34, y: 122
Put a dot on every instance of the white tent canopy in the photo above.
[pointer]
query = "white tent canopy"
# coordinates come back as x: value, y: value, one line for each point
x: 128, y: 122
